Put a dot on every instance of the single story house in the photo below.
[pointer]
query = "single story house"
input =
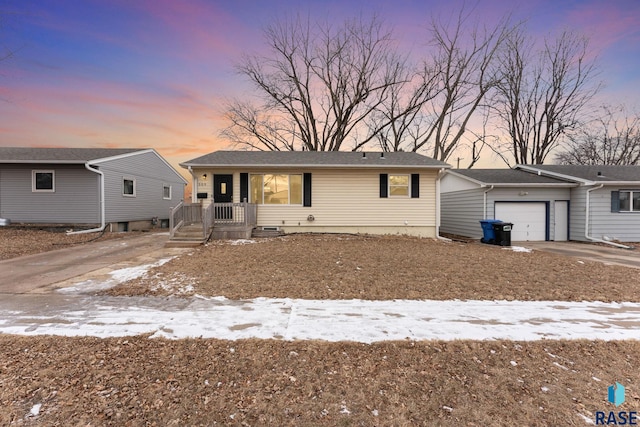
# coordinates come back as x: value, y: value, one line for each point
x: 334, y: 192
x: 545, y: 202
x: 125, y: 189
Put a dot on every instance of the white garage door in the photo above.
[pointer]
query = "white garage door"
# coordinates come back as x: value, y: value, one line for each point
x: 529, y: 220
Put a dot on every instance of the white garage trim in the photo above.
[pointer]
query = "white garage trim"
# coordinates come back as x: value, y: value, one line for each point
x: 530, y: 219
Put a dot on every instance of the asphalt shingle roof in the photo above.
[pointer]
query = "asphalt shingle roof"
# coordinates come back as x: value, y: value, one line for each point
x: 590, y: 173
x: 506, y: 176
x: 314, y: 159
x: 59, y: 155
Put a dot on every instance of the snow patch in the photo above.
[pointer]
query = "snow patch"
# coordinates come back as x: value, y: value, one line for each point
x: 35, y: 410
x: 242, y: 242
x: 518, y: 249
x: 586, y: 419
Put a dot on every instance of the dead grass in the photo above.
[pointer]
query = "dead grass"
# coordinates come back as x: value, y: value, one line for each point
x: 140, y: 381
x: 383, y: 268
x: 18, y: 241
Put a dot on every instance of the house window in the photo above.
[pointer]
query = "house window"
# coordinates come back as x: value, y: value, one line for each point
x: 629, y: 201
x: 129, y: 187
x: 398, y: 185
x: 276, y: 189
x: 43, y: 181
x: 166, y: 192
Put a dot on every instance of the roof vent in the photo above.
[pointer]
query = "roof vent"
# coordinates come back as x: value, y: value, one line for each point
x: 364, y: 155
x: 599, y: 173
x: 382, y: 155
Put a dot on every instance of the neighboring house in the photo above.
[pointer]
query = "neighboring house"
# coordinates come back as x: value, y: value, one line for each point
x: 545, y: 202
x: 348, y: 192
x: 126, y: 189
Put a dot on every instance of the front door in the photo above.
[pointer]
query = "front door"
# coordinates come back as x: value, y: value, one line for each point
x: 223, y: 193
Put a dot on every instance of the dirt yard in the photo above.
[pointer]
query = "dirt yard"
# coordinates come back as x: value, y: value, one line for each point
x: 137, y: 381
x: 382, y: 268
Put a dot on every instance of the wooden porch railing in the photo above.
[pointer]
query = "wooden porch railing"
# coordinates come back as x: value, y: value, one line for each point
x: 235, y: 214
x: 214, y: 214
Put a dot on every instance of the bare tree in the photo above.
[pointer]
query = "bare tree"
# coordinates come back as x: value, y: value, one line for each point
x: 316, y: 86
x: 541, y: 96
x: 456, y: 77
x: 611, y: 139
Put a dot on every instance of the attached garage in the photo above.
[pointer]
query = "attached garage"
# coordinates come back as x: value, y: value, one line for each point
x: 529, y: 219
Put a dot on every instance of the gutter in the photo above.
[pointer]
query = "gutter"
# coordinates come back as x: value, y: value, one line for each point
x: 586, y: 223
x: 438, y: 236
x: 102, y: 207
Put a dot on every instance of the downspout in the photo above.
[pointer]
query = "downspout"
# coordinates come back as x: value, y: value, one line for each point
x: 484, y: 203
x: 102, y: 207
x: 586, y: 223
x: 438, y: 236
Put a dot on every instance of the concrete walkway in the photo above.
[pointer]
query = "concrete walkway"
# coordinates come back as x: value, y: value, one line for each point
x: 328, y: 320
x: 609, y: 255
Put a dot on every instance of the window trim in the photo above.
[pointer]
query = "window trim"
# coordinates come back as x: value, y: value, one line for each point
x: 390, y: 194
x: 631, y: 205
x: 127, y: 178
x: 170, y: 191
x: 262, y: 203
x: 34, y: 181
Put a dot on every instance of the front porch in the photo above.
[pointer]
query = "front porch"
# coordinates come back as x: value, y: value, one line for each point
x: 194, y: 224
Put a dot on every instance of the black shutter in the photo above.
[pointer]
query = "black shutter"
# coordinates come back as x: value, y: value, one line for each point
x: 244, y: 187
x: 615, y: 201
x: 415, y: 185
x: 384, y: 185
x: 306, y: 189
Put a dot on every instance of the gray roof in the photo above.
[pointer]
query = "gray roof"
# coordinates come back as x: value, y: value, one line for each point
x: 59, y: 155
x: 340, y: 159
x: 597, y: 173
x: 506, y: 176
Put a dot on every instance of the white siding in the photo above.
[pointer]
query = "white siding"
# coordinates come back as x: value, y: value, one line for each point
x: 450, y: 183
x: 577, y: 213
x: 462, y: 212
x: 348, y: 200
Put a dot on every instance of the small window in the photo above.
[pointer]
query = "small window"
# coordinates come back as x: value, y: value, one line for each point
x: 129, y: 187
x: 398, y: 185
x: 166, y: 192
x: 629, y: 200
x: 43, y: 181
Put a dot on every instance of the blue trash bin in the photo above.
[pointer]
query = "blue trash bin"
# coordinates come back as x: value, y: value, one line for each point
x: 488, y: 235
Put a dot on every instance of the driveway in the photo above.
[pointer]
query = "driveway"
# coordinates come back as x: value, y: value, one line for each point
x: 609, y: 255
x: 44, y: 272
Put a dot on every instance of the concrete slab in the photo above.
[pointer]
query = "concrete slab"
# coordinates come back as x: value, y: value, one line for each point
x: 41, y: 273
x: 609, y: 255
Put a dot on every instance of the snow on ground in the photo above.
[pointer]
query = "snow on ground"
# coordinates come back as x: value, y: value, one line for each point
x: 116, y: 277
x: 329, y: 320
x: 517, y: 249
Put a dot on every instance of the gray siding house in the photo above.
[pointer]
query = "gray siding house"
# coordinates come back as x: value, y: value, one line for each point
x: 125, y: 189
x: 545, y: 202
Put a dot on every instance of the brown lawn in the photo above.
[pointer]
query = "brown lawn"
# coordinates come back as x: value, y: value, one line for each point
x: 137, y: 381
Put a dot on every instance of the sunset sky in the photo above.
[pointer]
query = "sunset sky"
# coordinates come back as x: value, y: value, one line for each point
x: 155, y: 73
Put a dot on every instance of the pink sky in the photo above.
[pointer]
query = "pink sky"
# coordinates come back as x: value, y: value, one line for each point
x: 97, y: 73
